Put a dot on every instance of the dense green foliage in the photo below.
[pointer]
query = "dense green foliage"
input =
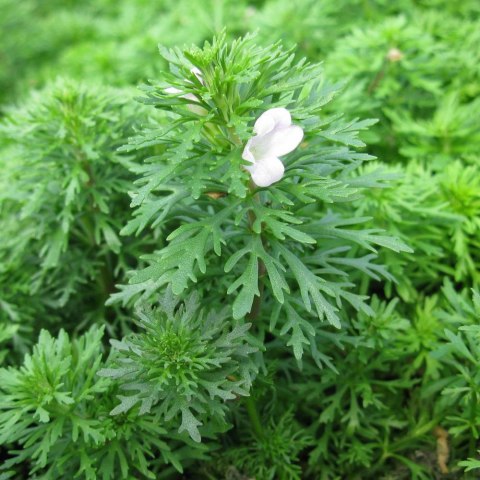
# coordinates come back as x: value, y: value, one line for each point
x: 161, y: 316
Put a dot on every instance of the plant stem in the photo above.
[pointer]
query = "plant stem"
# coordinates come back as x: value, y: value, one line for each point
x: 256, y: 307
x: 378, y: 78
x: 104, y: 278
x: 254, y: 312
x: 254, y: 417
x: 257, y: 302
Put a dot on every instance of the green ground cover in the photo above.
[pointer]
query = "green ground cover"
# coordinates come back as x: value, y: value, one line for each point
x: 165, y: 315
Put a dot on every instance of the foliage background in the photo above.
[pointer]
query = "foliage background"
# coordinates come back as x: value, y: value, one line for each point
x: 396, y: 391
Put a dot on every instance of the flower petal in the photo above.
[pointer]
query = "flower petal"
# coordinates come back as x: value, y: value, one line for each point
x: 275, y: 117
x: 172, y: 90
x: 283, y: 140
x: 266, y: 171
x: 247, y: 154
x: 197, y: 109
x: 198, y: 73
x: 191, y: 96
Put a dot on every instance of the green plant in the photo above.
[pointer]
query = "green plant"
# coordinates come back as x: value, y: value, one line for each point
x: 275, y: 302
x: 64, y: 198
x: 185, y: 362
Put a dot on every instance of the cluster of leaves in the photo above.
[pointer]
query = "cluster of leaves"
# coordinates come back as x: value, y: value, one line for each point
x: 54, y: 416
x: 63, y: 200
x: 447, y: 244
x: 460, y: 355
x: 273, y: 454
x: 185, y: 363
x: 398, y: 395
x: 419, y: 82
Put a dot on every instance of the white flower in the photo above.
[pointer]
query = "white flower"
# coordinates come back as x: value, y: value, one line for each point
x: 275, y: 136
x: 199, y: 110
x: 394, y: 55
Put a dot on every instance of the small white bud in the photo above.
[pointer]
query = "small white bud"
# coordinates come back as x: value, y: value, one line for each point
x: 394, y: 55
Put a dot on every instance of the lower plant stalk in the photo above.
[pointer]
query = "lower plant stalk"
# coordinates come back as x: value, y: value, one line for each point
x: 254, y: 417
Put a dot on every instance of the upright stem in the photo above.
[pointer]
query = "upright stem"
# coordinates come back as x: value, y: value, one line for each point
x: 257, y: 302
x: 254, y: 312
x: 378, y: 78
x: 254, y: 417
x: 105, y: 279
x: 250, y: 404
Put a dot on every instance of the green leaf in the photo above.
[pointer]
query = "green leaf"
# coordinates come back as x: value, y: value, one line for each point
x: 248, y: 283
x: 258, y: 259
x: 311, y: 287
x: 300, y: 331
x: 154, y: 207
x: 190, y: 424
x: 347, y: 132
x: 277, y: 222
